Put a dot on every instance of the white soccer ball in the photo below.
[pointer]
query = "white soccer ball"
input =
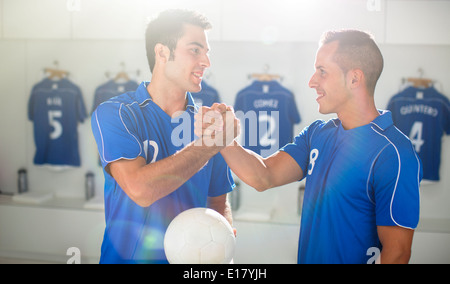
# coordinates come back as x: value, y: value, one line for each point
x: 199, y: 236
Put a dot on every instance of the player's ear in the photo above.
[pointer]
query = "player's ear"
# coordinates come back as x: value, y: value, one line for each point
x: 162, y: 52
x: 355, y: 78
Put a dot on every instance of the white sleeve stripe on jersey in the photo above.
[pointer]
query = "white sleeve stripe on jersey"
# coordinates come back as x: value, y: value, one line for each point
x: 229, y: 177
x: 398, y: 177
x: 135, y: 138
x: 370, y: 174
x: 102, y: 155
x: 418, y: 172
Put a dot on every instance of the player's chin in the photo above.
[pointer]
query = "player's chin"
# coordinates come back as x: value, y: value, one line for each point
x: 321, y: 108
x: 195, y: 89
x: 324, y: 110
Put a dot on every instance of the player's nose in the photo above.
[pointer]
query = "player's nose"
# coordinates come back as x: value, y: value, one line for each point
x: 205, y: 61
x: 313, y: 82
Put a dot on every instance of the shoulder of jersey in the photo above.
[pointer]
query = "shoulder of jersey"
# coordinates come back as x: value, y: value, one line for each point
x: 69, y: 84
x: 123, y: 99
x: 322, y: 124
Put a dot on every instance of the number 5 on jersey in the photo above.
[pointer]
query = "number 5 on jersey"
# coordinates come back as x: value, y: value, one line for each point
x: 53, y: 116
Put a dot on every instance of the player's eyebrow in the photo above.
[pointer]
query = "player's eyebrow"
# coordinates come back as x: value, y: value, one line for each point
x: 199, y: 45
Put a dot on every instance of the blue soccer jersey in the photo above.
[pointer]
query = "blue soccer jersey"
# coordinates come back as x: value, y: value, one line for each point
x: 207, y: 96
x: 268, y: 113
x: 56, y: 107
x: 423, y: 115
x: 131, y: 126
x: 356, y: 180
x: 112, y: 89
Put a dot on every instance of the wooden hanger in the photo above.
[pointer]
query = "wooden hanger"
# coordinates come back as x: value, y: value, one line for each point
x: 122, y: 76
x: 265, y: 77
x: 420, y: 82
x: 56, y: 73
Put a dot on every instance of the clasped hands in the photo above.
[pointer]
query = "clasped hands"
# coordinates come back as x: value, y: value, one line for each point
x: 216, y: 125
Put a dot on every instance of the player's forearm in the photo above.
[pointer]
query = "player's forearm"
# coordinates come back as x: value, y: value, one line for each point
x: 248, y: 166
x: 221, y: 205
x: 157, y: 180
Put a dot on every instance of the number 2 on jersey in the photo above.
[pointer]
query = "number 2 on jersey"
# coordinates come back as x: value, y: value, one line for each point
x: 269, y: 124
x: 155, y: 146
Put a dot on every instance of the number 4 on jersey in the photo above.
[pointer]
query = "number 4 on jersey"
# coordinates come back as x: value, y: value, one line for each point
x: 416, y: 135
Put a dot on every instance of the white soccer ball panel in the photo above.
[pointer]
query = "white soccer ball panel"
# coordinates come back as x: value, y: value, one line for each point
x: 230, y: 245
x: 208, y: 217
x: 188, y: 255
x: 212, y: 253
x: 221, y: 233
x: 199, y: 236
x: 173, y: 244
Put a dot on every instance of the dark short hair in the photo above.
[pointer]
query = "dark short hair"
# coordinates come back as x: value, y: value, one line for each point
x: 357, y: 50
x: 168, y: 28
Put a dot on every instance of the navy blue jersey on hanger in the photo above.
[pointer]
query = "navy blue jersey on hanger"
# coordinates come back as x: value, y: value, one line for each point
x: 112, y: 89
x: 268, y: 113
x: 424, y: 116
x: 56, y: 107
x: 207, y: 96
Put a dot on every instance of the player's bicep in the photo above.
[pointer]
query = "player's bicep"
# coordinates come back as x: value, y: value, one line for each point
x: 396, y: 242
x: 283, y: 169
x: 125, y: 172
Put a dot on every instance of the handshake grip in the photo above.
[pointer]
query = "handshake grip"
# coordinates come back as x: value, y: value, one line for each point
x: 216, y: 126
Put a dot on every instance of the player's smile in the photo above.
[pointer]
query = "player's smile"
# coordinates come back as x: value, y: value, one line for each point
x: 320, y: 95
x: 198, y: 76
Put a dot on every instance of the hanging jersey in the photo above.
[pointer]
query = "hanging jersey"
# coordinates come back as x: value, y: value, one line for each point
x: 268, y: 113
x: 424, y: 116
x: 207, y: 96
x: 356, y: 180
x: 56, y: 107
x: 131, y: 126
x: 112, y: 89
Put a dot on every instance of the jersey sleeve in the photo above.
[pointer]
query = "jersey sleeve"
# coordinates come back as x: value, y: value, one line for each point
x: 396, y: 178
x: 238, y: 103
x: 391, y: 107
x: 300, y: 148
x: 81, y: 106
x: 447, y: 116
x: 31, y: 102
x: 222, y: 181
x: 294, y: 114
x: 115, y: 134
x: 97, y: 99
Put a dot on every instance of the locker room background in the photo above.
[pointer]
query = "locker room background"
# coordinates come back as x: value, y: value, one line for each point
x: 90, y: 38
